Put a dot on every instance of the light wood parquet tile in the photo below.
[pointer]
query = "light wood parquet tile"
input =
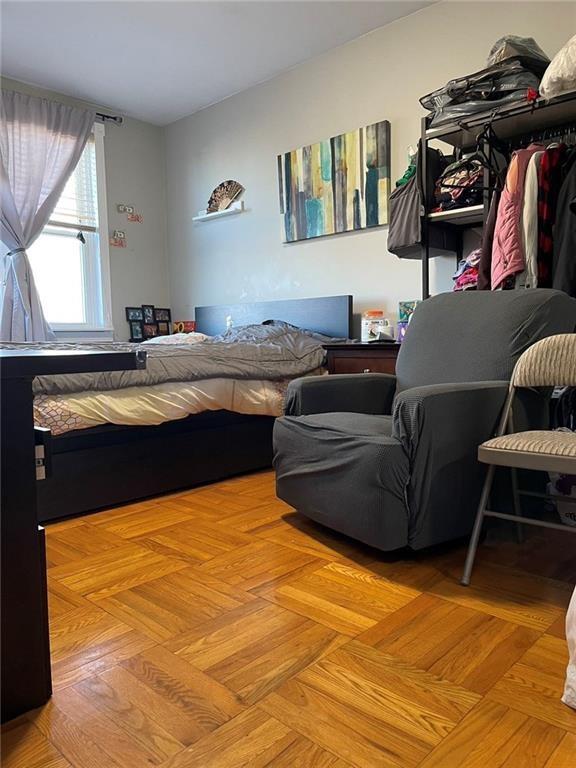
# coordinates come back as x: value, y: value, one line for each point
x: 459, y: 644
x: 164, y: 707
x: 259, y: 563
x: 535, y: 684
x: 195, y: 541
x: 142, y: 522
x: 297, y: 532
x: 371, y: 709
x: 88, y: 639
x: 252, y: 738
x: 563, y: 755
x: 514, y: 596
x: 248, y: 520
x: 61, y: 600
x: 165, y: 607
x: 217, y: 628
x: 72, y: 741
x: 254, y: 649
x: 26, y: 747
x: 77, y: 542
x: 115, y: 570
x: 347, y: 599
x: 495, y: 736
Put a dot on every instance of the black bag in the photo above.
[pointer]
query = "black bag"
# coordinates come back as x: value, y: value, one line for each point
x: 515, y: 65
x: 485, y: 90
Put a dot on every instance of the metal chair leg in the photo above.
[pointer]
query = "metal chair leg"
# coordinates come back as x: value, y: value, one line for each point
x: 516, y: 504
x: 473, y: 546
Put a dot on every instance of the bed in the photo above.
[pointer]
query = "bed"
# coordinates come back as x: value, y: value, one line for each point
x: 110, y: 464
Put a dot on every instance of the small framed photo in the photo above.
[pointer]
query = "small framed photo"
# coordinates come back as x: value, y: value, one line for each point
x: 148, y: 312
x: 134, y: 313
x: 150, y: 330
x: 163, y: 328
x: 162, y: 315
x: 136, y: 330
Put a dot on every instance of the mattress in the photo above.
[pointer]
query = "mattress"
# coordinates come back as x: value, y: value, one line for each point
x: 148, y: 406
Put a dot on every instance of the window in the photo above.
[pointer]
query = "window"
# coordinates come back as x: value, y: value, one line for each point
x: 70, y: 258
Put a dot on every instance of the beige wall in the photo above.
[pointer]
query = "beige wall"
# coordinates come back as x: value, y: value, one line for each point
x: 134, y: 156
x: 379, y: 76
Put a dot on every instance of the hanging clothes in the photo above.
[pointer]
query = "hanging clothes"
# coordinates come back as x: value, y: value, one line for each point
x: 485, y: 264
x: 549, y: 181
x: 507, y: 251
x: 564, y: 244
x: 529, y: 225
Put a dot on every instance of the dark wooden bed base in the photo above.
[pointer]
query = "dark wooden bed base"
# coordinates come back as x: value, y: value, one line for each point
x: 110, y: 465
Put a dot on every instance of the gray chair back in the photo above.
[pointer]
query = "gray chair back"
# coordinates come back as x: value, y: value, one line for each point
x: 478, y: 335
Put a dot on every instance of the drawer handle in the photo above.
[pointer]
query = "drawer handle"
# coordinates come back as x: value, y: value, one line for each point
x: 366, y: 370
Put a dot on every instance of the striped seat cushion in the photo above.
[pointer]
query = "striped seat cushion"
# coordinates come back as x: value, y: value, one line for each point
x: 549, y: 443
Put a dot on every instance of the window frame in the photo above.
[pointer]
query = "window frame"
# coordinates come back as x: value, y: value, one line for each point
x: 106, y: 328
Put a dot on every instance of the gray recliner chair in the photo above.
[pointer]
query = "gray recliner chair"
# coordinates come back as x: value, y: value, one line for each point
x: 392, y: 460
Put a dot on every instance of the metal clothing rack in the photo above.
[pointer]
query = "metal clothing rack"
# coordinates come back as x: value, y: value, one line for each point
x: 518, y: 124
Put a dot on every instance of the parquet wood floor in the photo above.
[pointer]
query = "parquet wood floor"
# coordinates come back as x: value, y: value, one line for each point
x: 217, y: 628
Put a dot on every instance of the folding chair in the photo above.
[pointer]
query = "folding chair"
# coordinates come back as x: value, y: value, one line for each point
x: 549, y: 362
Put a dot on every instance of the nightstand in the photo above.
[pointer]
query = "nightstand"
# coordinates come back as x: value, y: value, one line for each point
x: 361, y: 358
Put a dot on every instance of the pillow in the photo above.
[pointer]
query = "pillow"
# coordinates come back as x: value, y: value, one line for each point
x: 560, y: 77
x: 178, y: 338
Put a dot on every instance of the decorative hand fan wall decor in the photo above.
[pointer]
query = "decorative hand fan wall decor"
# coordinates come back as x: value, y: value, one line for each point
x: 224, y: 195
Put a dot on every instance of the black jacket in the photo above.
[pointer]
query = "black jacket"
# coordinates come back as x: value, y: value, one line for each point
x: 564, y: 263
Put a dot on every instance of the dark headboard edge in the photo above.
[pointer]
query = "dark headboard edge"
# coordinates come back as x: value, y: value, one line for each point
x: 330, y: 315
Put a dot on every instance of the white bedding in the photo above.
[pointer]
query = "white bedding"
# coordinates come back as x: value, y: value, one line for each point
x: 159, y: 403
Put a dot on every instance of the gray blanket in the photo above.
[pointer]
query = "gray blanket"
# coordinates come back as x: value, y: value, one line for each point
x: 274, y: 350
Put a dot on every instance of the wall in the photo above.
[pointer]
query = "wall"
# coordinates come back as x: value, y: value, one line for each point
x: 378, y: 76
x: 134, y: 157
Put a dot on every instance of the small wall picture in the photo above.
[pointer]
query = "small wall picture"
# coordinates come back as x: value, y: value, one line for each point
x: 136, y: 330
x: 150, y: 330
x: 148, y: 311
x: 162, y: 315
x: 163, y: 328
x: 134, y: 313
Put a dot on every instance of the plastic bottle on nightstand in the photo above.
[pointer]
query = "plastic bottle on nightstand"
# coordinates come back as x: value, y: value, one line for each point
x: 375, y: 327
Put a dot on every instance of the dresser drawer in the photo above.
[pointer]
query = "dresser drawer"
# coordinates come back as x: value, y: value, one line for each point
x: 361, y: 358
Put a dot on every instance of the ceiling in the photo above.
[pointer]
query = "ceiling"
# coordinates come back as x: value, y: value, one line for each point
x: 159, y: 61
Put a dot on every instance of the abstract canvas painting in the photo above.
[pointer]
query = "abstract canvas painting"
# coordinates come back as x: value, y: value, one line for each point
x: 337, y: 185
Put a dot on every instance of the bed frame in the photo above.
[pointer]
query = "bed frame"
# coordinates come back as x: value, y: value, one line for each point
x: 110, y: 465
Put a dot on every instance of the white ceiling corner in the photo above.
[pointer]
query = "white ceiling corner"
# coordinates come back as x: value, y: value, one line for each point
x: 160, y: 61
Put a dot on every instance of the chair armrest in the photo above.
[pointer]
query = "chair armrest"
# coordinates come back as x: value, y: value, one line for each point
x: 440, y: 427
x: 443, y: 410
x: 356, y: 393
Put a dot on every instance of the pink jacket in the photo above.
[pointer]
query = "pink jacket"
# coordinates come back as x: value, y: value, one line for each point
x: 508, y: 256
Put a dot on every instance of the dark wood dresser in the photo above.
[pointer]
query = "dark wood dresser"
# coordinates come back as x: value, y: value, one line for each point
x: 26, y: 677
x: 362, y: 358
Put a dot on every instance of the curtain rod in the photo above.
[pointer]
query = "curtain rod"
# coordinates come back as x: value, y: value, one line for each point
x: 106, y: 118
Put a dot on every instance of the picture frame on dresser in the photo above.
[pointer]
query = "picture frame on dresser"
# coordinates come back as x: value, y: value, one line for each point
x: 162, y: 315
x: 136, y: 330
x: 134, y: 314
x: 148, y: 314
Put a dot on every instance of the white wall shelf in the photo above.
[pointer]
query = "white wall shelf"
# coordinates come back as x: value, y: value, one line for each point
x: 234, y: 209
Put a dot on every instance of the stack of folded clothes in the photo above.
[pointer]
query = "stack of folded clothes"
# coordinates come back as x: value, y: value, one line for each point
x: 466, y: 276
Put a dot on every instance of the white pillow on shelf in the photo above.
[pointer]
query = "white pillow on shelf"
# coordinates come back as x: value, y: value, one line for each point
x: 560, y: 77
x: 178, y: 338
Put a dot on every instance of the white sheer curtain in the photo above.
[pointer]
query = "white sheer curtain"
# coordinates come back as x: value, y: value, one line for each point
x: 40, y: 144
